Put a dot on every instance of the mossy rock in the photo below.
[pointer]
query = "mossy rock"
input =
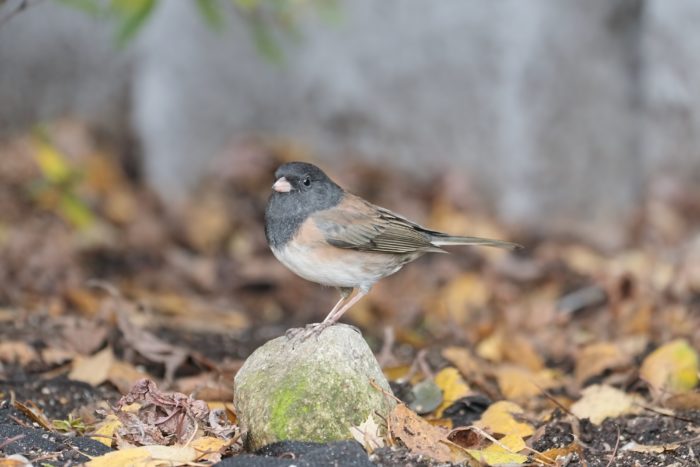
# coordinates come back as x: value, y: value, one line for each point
x: 309, y: 390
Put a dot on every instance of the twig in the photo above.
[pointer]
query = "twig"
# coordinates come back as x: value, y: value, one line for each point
x: 9, y: 441
x: 617, y: 445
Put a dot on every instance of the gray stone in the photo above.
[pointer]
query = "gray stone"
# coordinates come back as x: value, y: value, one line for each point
x: 309, y: 390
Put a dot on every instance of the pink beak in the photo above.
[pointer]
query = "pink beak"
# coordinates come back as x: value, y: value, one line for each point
x: 282, y: 185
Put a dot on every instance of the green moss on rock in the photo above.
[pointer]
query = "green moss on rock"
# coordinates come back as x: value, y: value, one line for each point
x: 312, y: 390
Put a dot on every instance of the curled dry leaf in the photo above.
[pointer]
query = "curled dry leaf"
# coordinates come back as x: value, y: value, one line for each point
x: 420, y: 437
x: 368, y: 434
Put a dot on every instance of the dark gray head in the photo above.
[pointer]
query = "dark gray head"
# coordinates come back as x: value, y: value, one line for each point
x: 300, y: 189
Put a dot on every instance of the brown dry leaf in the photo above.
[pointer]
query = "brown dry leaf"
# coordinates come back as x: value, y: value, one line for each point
x: 519, y: 350
x: 151, y: 347
x: 17, y: 352
x: 368, y: 434
x: 671, y: 368
x: 93, y: 370
x: 500, y: 418
x: 56, y: 356
x: 146, y: 456
x: 124, y: 375
x: 506, y: 451
x: 420, y: 437
x: 453, y: 388
x: 550, y: 456
x: 520, y: 384
x: 601, y: 401
x: 84, y: 300
x: 595, y: 358
x: 684, y: 401
x: 15, y: 460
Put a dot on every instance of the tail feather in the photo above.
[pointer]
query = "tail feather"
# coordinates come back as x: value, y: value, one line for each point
x: 440, y: 239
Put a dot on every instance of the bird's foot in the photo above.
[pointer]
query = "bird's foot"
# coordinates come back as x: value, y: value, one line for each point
x: 313, y: 329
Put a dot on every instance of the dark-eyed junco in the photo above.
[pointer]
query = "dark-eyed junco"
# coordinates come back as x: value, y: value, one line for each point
x: 332, y: 237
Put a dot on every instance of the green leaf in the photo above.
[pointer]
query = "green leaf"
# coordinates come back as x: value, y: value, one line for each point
x: 264, y: 41
x: 134, y: 14
x: 91, y: 7
x: 210, y: 11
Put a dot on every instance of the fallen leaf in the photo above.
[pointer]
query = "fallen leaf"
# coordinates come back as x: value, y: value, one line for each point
x: 506, y: 451
x: 491, y: 348
x: 15, y: 460
x: 500, y: 418
x: 209, y: 448
x: 550, y: 456
x: 684, y: 401
x: 56, y: 356
x: 653, y: 448
x: 463, y: 359
x: 104, y: 431
x: 453, y: 388
x: 601, y: 401
x: 519, y: 350
x: 368, y: 434
x: 124, y: 375
x: 671, y: 368
x: 17, y: 352
x: 420, y: 437
x: 93, y: 370
x: 595, y: 358
x: 427, y: 396
x: 520, y: 384
x: 146, y: 456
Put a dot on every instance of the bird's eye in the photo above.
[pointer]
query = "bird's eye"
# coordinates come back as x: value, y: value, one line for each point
x: 306, y: 182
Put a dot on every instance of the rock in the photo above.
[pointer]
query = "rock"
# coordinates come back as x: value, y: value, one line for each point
x: 309, y: 390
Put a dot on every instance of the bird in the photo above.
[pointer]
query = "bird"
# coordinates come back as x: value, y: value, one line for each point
x: 334, y: 238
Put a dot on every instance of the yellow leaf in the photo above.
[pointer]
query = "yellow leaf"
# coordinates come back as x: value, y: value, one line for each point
x: 520, y: 351
x: 671, y: 368
x: 465, y: 292
x: 209, y: 448
x: 499, y: 418
x: 105, y: 430
x: 93, y: 370
x: 453, y: 388
x: 52, y: 163
x: 146, y: 456
x: 600, y: 402
x: 521, y: 384
x: 491, y: 348
x: 506, y: 451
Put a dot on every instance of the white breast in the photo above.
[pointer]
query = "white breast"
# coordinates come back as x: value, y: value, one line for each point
x: 343, y: 268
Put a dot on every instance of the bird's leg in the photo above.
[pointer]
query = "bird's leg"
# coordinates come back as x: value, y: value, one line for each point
x: 335, y: 316
x: 316, y: 328
x: 345, y: 292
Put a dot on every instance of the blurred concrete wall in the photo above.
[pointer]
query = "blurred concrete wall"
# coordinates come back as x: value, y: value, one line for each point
x: 557, y: 111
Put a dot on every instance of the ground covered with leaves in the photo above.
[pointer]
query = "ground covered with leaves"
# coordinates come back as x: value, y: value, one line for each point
x: 124, y: 319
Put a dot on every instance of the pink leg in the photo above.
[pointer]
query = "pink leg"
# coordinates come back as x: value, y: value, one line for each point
x: 335, y: 315
x: 335, y: 308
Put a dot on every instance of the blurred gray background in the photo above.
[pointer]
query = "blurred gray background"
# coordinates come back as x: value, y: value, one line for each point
x: 560, y: 114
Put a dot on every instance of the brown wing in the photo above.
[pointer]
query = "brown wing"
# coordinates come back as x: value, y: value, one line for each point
x: 358, y: 225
